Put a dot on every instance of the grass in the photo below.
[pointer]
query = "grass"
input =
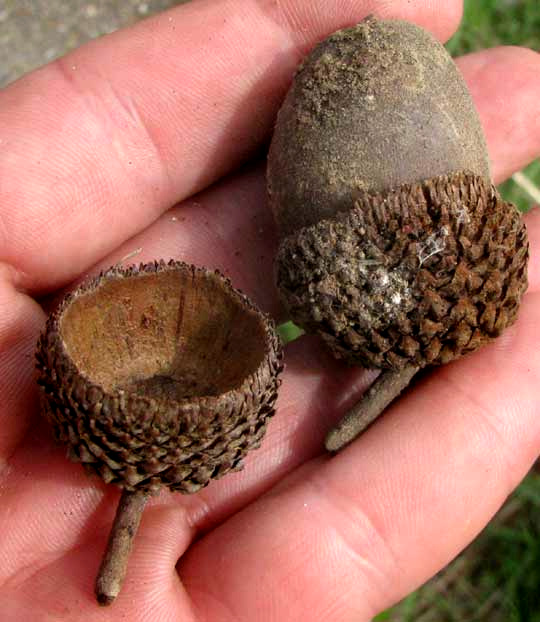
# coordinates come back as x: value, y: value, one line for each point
x: 288, y: 331
x: 487, y: 23
x: 514, y: 189
x: 497, y: 578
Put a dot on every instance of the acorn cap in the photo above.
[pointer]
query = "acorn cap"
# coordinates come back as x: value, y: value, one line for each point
x: 416, y: 276
x: 161, y: 375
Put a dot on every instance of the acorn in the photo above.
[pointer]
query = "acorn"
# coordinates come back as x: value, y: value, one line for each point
x: 395, y: 247
x: 157, y: 376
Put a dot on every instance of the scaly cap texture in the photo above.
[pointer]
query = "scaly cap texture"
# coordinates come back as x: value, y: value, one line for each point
x: 127, y: 383
x: 415, y: 276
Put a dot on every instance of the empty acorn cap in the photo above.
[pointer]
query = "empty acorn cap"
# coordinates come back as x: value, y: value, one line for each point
x: 157, y: 376
x: 161, y: 375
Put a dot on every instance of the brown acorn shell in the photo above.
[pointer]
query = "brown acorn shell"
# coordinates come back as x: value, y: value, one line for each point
x: 142, y: 429
x: 372, y: 107
x: 419, y: 275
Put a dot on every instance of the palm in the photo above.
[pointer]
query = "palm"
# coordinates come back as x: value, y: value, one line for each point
x: 295, y: 531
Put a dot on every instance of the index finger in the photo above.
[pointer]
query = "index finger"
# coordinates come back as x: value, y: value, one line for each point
x: 98, y: 144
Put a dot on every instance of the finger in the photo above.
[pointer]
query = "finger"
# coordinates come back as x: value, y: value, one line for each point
x: 60, y: 583
x: 228, y: 227
x: 346, y: 537
x: 21, y: 318
x: 504, y: 85
x: 59, y: 520
x: 99, y: 143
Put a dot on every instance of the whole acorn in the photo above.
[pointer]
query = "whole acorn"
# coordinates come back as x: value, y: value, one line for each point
x: 395, y: 246
x: 161, y: 376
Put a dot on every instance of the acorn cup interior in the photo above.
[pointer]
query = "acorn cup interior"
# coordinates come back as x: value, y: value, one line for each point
x: 171, y: 335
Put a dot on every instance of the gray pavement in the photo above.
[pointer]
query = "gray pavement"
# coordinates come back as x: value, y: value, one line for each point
x: 34, y: 32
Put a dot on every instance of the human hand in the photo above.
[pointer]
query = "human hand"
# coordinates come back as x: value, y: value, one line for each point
x: 95, y: 148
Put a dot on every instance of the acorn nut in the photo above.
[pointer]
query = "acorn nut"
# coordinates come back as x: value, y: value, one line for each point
x: 161, y: 376
x: 395, y: 246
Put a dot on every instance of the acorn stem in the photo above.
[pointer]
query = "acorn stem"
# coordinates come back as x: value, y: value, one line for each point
x: 387, y: 386
x: 114, y: 564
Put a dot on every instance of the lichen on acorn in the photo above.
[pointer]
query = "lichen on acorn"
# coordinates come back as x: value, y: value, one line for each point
x: 157, y: 376
x: 395, y: 246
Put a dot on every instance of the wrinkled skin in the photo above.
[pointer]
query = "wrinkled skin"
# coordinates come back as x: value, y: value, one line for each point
x: 95, y: 149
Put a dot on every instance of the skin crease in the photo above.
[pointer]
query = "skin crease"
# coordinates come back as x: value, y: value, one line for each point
x: 92, y: 159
